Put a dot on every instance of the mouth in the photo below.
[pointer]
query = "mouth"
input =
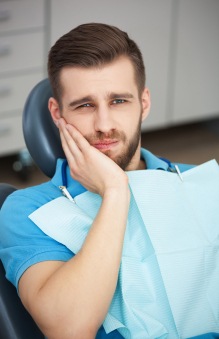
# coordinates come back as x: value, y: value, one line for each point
x: 105, y: 144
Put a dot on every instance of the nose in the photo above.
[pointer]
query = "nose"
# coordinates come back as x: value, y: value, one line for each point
x: 104, y: 121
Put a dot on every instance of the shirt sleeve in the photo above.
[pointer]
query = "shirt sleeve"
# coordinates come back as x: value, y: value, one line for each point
x: 22, y: 243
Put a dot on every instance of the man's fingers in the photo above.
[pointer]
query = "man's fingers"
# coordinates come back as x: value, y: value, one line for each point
x: 70, y: 150
x: 80, y: 141
x: 73, y: 136
x: 67, y: 139
x: 74, y: 146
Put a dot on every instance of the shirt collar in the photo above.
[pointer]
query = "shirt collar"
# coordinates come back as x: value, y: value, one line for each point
x: 152, y: 161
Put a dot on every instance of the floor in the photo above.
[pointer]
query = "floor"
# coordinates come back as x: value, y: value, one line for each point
x: 193, y: 143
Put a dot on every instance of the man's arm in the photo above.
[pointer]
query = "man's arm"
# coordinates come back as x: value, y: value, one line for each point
x: 71, y: 300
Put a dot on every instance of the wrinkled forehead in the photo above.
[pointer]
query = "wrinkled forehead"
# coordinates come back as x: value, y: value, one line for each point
x: 118, y: 76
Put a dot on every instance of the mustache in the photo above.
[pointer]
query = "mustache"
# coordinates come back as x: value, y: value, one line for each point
x: 100, y: 136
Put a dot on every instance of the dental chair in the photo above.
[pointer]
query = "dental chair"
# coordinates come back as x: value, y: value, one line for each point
x: 43, y: 143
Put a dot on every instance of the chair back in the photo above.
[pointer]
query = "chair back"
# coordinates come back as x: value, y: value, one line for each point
x: 40, y: 133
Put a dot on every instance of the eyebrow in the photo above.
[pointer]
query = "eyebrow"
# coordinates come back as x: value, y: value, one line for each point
x: 80, y: 101
x: 125, y: 95
x: 110, y: 96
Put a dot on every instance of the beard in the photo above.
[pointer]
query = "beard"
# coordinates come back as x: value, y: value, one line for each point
x: 124, y: 159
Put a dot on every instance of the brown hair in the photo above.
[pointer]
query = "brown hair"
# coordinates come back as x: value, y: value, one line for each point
x: 93, y: 45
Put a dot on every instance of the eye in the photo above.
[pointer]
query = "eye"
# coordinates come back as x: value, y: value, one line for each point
x: 118, y: 101
x: 85, y: 106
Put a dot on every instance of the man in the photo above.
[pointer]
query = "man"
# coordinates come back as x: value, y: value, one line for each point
x: 100, y: 100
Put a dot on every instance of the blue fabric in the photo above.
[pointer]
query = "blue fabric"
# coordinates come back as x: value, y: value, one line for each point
x: 22, y: 244
x: 207, y: 336
x: 153, y: 269
x: 113, y: 335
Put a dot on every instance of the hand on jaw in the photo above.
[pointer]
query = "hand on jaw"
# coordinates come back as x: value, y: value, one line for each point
x: 93, y: 169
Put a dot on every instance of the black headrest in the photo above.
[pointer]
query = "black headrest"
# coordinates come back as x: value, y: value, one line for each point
x: 40, y: 133
x: 5, y: 190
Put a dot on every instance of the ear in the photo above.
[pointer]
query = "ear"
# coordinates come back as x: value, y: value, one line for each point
x: 54, y: 110
x: 146, y: 103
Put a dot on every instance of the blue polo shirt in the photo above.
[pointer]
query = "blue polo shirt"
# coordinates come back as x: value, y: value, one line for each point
x: 23, y: 244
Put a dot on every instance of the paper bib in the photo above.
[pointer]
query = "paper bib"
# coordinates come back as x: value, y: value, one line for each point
x: 169, y: 274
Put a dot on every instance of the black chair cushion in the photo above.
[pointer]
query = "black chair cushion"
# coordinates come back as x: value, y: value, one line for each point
x: 40, y: 133
x: 15, y: 321
x: 5, y: 190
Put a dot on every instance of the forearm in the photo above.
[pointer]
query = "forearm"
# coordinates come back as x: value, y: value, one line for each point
x: 75, y: 299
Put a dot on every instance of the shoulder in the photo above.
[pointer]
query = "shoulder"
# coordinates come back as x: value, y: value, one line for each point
x: 30, y: 198
x: 14, y: 214
x: 22, y: 243
x: 14, y: 221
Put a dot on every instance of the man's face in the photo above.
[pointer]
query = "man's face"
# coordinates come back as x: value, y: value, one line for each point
x: 105, y: 106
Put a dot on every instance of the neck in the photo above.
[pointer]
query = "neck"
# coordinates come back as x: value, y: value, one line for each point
x: 136, y: 163
x: 142, y: 165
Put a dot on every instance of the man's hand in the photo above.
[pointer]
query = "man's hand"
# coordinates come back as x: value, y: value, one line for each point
x: 93, y: 169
